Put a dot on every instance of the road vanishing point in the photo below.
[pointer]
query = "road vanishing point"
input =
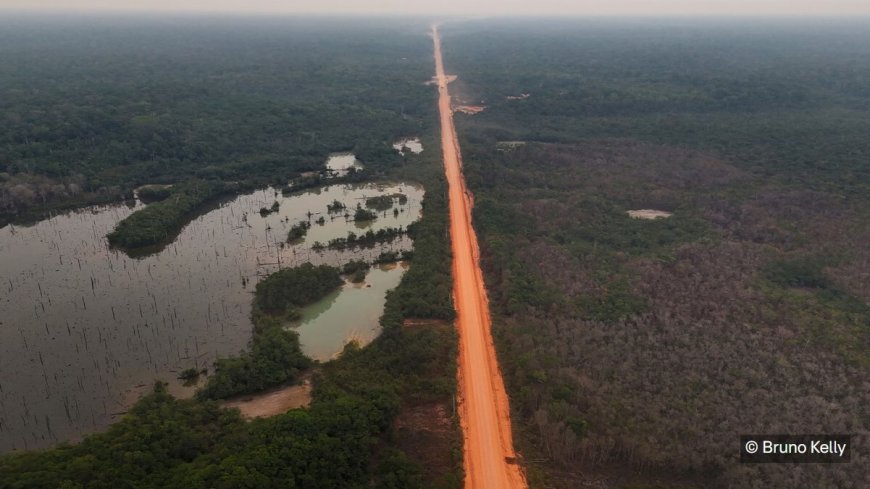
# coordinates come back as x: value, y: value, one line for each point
x: 490, y: 460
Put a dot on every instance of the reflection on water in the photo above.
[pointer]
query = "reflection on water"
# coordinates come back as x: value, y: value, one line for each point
x: 84, y: 328
x: 350, y: 313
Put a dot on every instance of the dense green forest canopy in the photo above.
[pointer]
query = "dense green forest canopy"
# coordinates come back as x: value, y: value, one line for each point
x: 785, y: 98
x: 94, y: 107
x: 636, y: 351
x: 90, y: 107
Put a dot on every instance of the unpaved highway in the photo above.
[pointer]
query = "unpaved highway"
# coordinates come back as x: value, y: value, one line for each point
x: 483, y: 409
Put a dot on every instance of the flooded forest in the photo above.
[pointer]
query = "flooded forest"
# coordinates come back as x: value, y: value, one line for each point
x: 111, y: 324
x: 152, y: 203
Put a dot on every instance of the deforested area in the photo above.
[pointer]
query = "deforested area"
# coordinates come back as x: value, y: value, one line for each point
x: 637, y: 351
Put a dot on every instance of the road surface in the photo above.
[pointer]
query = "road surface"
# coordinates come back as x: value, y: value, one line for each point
x: 483, y: 406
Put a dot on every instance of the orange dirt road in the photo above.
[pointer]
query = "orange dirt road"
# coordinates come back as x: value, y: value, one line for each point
x: 490, y: 460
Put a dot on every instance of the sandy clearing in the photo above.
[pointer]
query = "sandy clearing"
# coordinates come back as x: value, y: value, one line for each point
x: 484, y: 411
x: 423, y: 323
x: 273, y: 401
x: 470, y: 109
x: 649, y: 214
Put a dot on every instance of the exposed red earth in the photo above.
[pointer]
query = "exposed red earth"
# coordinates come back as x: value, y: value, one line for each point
x: 490, y: 459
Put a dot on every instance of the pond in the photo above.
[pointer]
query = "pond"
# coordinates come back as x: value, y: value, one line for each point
x: 410, y: 144
x: 85, y: 329
x: 340, y: 163
x: 351, y: 313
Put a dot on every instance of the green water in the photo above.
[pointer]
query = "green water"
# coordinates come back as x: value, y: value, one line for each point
x: 350, y: 313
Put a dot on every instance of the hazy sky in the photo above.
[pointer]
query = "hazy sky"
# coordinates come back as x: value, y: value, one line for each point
x: 488, y: 7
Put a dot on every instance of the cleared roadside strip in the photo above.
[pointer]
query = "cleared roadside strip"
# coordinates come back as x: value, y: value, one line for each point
x: 490, y: 459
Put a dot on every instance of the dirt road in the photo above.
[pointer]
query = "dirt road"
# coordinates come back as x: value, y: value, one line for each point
x: 484, y: 411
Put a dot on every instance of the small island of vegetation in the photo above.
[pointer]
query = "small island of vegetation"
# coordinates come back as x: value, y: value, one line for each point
x: 300, y: 229
x: 367, y: 240
x: 362, y: 214
x: 380, y: 202
x: 335, y: 207
x: 281, y: 293
x: 159, y: 221
x: 275, y: 356
x: 265, y: 211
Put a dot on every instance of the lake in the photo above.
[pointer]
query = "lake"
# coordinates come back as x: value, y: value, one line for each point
x: 410, y: 144
x: 85, y: 329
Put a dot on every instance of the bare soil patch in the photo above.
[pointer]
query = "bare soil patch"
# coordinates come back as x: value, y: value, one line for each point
x: 423, y: 323
x: 649, y: 214
x: 273, y: 401
x: 484, y: 406
x: 469, y: 109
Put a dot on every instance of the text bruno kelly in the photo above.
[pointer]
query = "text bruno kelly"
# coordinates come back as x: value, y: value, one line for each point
x: 795, y: 448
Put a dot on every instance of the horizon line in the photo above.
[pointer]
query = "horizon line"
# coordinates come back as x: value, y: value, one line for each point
x: 442, y: 15
x: 428, y: 14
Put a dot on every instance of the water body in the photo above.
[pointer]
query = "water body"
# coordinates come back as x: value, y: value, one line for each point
x: 84, y: 329
x: 410, y: 144
x: 351, y: 313
x: 340, y: 163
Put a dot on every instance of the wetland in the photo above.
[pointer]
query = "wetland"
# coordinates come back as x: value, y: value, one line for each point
x: 101, y: 326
